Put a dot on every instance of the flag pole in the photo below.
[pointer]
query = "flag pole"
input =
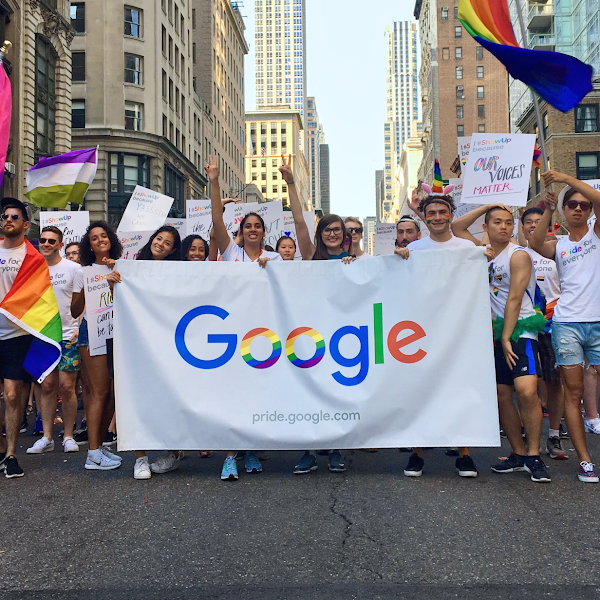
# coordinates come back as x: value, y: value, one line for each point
x: 536, y: 105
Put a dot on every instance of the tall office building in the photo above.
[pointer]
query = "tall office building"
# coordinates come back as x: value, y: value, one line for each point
x: 379, y: 195
x: 369, y: 227
x: 324, y: 176
x: 313, y: 152
x: 280, y: 46
x: 464, y: 89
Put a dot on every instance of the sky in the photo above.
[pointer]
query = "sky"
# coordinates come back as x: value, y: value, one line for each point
x: 346, y: 64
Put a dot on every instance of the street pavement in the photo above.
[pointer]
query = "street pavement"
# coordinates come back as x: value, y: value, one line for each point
x: 369, y: 533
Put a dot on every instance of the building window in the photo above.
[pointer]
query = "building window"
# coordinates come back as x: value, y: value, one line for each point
x: 458, y: 52
x: 459, y: 72
x: 481, y: 128
x: 459, y: 92
x: 254, y: 163
x: 479, y: 72
x: 460, y: 130
x: 444, y: 13
x: 45, y: 94
x: 78, y: 66
x: 133, y: 69
x: 174, y: 189
x: 481, y: 111
x: 133, y: 116
x: 78, y: 114
x: 586, y: 118
x: 588, y: 165
x: 126, y: 171
x: 480, y: 91
x: 164, y: 84
x: 456, y: 12
x: 133, y: 22
x: 479, y: 52
x: 78, y: 16
x: 445, y: 53
x: 538, y: 184
x: 460, y: 111
x: 458, y: 31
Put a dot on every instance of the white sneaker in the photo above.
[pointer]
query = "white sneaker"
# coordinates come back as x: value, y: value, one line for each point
x: 41, y: 446
x: 110, y: 454
x: 141, y: 469
x: 70, y: 445
x: 96, y: 461
x: 167, y: 462
x: 591, y: 426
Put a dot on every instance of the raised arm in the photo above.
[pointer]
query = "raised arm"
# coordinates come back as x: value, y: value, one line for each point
x: 220, y: 231
x: 460, y: 227
x: 305, y: 245
x: 413, y: 204
x: 539, y: 241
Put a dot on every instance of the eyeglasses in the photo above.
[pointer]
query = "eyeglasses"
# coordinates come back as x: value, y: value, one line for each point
x: 355, y: 229
x: 74, y: 253
x: 50, y: 241
x: 6, y: 217
x: 333, y: 230
x: 573, y: 204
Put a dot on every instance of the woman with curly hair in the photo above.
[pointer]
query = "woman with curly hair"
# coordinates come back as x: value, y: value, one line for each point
x: 194, y: 248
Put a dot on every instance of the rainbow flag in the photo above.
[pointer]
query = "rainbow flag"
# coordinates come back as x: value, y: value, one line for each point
x: 438, y: 182
x: 31, y: 304
x: 560, y: 79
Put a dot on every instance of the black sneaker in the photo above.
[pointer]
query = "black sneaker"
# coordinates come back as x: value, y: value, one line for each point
x: 562, y: 431
x: 336, y: 465
x: 12, y: 468
x: 81, y: 436
x: 503, y: 433
x: 512, y: 464
x: 109, y: 439
x: 452, y: 452
x: 415, y: 465
x: 535, y: 466
x: 465, y: 467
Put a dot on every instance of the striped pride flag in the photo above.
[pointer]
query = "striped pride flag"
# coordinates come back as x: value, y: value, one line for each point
x: 31, y: 304
x: 58, y: 180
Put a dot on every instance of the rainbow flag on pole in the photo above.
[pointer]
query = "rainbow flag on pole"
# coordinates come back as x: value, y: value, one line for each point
x: 58, y: 180
x: 560, y: 79
x: 31, y: 304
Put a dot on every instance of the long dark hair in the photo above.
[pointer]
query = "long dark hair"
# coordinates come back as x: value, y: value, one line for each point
x: 146, y: 252
x: 321, y: 252
x: 187, y: 242
x: 85, y: 249
x: 251, y: 214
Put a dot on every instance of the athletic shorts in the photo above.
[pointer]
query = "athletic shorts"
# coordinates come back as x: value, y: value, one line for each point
x: 550, y: 373
x: 70, y: 359
x: 573, y: 342
x: 12, y: 356
x: 110, y: 358
x: 83, y: 339
x: 527, y: 362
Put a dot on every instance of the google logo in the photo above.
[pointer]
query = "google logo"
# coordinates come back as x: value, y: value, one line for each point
x: 412, y: 331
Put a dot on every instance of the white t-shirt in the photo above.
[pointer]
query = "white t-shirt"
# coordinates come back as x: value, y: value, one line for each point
x: 546, y: 274
x: 578, y: 266
x: 427, y: 243
x: 236, y: 254
x: 11, y: 260
x: 78, y: 287
x: 364, y: 255
x: 63, y: 275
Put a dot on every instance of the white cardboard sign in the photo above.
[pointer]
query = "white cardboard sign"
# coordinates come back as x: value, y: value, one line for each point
x: 199, y: 218
x: 133, y: 242
x: 272, y: 214
x: 385, y: 238
x: 99, y: 307
x: 146, y: 211
x: 464, y: 145
x: 72, y: 223
x: 179, y: 224
x: 462, y: 209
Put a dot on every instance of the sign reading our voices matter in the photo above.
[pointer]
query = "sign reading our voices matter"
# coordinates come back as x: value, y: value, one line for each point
x: 498, y: 169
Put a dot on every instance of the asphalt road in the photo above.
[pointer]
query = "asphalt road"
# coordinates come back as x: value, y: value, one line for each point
x: 369, y: 533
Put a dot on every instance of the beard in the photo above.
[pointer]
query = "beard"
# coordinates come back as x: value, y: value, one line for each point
x: 14, y: 232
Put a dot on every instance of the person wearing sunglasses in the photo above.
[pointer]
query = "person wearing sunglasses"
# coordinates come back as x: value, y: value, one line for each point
x: 576, y: 320
x: 62, y: 380
x: 355, y: 229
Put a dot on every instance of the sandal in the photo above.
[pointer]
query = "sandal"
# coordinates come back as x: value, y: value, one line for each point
x: 205, y: 453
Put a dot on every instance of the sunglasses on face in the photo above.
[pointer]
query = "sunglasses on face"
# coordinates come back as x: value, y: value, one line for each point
x: 355, y: 229
x: 50, y: 241
x: 6, y: 217
x: 573, y: 204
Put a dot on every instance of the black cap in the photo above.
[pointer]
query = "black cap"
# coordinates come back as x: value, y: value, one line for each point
x: 17, y: 204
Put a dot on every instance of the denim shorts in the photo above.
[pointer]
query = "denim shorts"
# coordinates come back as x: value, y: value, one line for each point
x: 574, y: 341
x: 83, y: 339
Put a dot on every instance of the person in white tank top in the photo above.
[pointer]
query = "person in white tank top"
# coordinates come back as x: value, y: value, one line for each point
x: 576, y: 321
x: 516, y: 325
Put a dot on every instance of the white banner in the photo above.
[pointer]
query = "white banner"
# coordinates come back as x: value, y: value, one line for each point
x: 385, y: 238
x: 498, y: 168
x: 146, y: 211
x: 231, y: 356
x: 72, y: 223
x: 98, y: 306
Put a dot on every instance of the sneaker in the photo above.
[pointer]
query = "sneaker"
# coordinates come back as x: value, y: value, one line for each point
x: 165, y: 463
x: 562, y: 430
x: 12, y: 468
x: 110, y: 454
x: 503, y: 433
x: 240, y: 455
x: 81, y: 437
x: 307, y: 463
x: 24, y: 424
x: 512, y: 464
x: 592, y: 426
x: 109, y: 439
x: 587, y: 473
x: 555, y: 450
x: 41, y: 446
x: 69, y: 445
x: 252, y: 463
x: 452, y: 452
x: 415, y: 465
x: 466, y: 467
x: 535, y: 466
x: 335, y: 462
x: 38, y: 428
x: 229, y: 471
x: 544, y: 412
x: 141, y: 469
x: 97, y: 461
